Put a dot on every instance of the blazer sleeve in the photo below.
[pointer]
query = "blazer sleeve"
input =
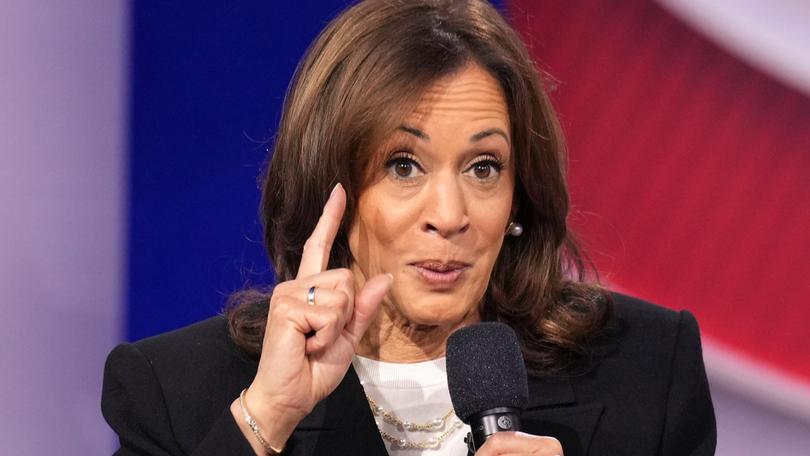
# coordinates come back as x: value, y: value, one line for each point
x: 133, y: 403
x: 689, y: 427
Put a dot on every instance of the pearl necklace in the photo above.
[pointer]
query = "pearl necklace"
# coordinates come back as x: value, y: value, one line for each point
x: 431, y: 426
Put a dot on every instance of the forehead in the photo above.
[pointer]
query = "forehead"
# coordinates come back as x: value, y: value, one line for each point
x: 456, y: 106
x: 466, y: 98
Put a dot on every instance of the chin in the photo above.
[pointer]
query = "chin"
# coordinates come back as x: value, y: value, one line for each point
x: 443, y: 310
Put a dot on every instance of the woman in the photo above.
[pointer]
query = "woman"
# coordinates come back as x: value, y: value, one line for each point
x: 422, y: 131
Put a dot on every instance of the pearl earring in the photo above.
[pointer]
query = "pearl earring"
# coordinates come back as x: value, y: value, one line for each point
x: 515, y: 229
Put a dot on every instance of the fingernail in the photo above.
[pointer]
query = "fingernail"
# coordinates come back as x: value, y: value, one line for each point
x: 334, y: 189
x: 390, y: 277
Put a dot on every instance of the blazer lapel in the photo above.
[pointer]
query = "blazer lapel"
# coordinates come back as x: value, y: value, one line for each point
x: 341, y: 424
x: 553, y: 410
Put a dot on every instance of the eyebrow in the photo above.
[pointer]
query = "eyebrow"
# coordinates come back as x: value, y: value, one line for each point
x: 415, y: 131
x: 489, y: 132
x: 474, y: 138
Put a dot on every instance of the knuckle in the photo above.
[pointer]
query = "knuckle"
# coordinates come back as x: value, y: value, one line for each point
x: 335, y: 315
x: 550, y: 445
x: 280, y: 288
x: 333, y: 318
x: 342, y: 299
x: 496, y: 440
x: 345, y: 274
x: 282, y: 306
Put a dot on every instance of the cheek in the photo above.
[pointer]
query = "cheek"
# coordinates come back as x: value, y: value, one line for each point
x: 491, y: 216
x: 375, y: 236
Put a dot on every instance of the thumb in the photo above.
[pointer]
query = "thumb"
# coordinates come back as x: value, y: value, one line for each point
x: 367, y: 304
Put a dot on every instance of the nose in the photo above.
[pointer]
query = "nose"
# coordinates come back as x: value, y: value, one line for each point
x: 445, y: 211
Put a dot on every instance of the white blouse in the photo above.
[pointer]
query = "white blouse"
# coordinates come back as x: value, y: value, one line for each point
x: 415, y: 393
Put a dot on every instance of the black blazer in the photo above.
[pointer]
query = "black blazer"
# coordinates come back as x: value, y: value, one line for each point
x: 644, y: 393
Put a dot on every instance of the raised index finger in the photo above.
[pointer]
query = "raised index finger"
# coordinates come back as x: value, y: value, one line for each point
x: 319, y: 244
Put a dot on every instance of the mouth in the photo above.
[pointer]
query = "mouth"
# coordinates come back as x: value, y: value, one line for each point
x: 437, y: 272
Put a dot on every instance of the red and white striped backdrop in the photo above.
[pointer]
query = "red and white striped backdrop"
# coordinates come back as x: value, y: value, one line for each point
x: 689, y: 173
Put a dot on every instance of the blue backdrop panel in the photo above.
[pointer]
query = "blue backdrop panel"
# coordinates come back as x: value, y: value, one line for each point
x: 207, y: 84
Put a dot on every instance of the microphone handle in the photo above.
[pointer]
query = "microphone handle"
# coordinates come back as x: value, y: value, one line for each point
x: 488, y: 422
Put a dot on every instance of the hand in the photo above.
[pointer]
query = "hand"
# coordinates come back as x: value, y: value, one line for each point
x: 519, y: 443
x: 295, y: 371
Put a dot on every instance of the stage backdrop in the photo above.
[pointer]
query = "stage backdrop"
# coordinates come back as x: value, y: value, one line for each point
x: 132, y: 134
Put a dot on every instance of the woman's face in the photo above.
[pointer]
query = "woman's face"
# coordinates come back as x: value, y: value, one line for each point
x: 435, y: 213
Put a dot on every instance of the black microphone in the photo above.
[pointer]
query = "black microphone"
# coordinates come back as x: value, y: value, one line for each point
x: 487, y: 380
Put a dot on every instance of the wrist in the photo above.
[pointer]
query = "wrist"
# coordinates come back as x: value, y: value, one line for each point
x: 266, y: 430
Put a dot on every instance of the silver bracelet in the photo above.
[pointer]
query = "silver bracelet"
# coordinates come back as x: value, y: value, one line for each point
x: 255, y: 428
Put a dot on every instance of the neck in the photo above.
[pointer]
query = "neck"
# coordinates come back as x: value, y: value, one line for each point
x: 392, y: 338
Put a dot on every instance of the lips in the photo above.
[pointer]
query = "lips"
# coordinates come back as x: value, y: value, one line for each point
x: 437, y: 272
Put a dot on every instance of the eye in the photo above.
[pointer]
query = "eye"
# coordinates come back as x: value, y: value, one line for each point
x: 485, y: 169
x: 403, y: 167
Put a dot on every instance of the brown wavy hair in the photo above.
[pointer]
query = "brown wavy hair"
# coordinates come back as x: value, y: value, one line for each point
x: 363, y: 74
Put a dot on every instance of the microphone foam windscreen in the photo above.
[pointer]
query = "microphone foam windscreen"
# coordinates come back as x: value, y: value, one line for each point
x: 485, y: 369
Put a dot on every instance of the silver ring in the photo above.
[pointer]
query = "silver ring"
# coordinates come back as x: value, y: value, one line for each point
x: 311, y: 296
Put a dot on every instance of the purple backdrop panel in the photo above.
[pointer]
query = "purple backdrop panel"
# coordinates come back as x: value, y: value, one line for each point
x: 746, y: 426
x: 62, y: 127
